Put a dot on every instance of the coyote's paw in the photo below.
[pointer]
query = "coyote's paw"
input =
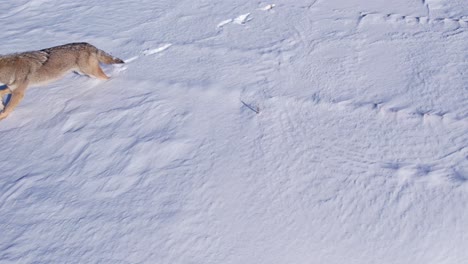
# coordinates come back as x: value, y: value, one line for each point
x: 3, y: 115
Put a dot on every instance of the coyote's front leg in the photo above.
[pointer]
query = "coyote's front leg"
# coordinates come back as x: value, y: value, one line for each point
x: 5, y: 91
x: 16, y: 97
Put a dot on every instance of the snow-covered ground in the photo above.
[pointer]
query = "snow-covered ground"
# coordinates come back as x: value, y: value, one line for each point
x: 324, y: 131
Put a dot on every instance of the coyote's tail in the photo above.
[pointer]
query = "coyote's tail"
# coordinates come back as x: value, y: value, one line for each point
x: 107, y: 58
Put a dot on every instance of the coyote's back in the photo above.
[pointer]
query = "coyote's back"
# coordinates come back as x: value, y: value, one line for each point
x: 20, y: 70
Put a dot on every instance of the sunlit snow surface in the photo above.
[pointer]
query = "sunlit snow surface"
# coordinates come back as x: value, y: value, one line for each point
x: 329, y: 131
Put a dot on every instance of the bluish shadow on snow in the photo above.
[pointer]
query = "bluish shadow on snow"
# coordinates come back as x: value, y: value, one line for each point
x: 6, y: 99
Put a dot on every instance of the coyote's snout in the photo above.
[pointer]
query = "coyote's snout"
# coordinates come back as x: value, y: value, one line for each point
x: 20, y: 70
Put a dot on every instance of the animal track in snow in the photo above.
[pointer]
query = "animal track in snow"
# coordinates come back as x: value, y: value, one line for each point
x: 225, y: 22
x: 147, y: 52
x: 242, y: 19
x: 453, y: 23
x: 157, y: 50
x: 426, y: 173
x: 387, y: 110
x: 131, y: 59
x: 268, y: 7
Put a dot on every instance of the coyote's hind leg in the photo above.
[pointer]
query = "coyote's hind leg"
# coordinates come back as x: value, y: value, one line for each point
x: 93, y: 69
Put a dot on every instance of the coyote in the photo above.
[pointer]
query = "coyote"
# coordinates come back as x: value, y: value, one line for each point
x: 20, y: 70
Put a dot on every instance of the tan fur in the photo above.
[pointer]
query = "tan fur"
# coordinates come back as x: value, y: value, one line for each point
x: 20, y: 70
